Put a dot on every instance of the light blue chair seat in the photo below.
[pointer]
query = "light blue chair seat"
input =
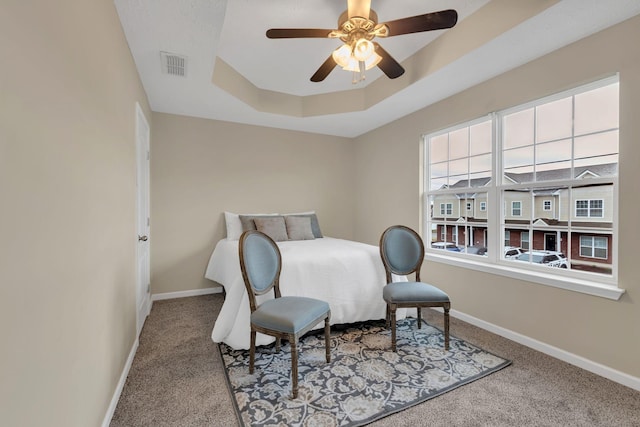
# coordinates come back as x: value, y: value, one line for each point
x: 289, y: 314
x: 412, y: 293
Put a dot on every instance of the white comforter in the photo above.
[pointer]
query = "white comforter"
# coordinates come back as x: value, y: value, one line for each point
x: 348, y: 275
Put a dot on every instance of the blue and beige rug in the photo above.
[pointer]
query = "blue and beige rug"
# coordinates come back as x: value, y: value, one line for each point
x: 365, y: 380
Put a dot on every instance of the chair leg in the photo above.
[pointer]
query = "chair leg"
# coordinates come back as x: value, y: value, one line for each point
x: 419, y: 317
x: 446, y: 328
x: 327, y: 341
x: 252, y: 351
x: 393, y: 327
x: 386, y: 324
x: 294, y: 366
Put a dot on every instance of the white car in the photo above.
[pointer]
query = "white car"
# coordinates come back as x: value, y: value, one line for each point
x: 548, y: 258
x: 512, y: 252
x: 445, y: 245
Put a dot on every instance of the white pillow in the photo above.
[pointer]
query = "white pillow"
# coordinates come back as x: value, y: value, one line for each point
x: 234, y: 226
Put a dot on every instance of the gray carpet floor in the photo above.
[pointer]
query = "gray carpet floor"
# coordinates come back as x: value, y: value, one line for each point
x: 177, y: 379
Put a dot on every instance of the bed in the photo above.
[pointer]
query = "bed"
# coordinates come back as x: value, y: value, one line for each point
x: 348, y: 275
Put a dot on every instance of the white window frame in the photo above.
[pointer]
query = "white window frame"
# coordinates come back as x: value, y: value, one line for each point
x: 550, y: 204
x: 507, y: 237
x: 468, y: 206
x: 483, y: 206
x: 571, y: 279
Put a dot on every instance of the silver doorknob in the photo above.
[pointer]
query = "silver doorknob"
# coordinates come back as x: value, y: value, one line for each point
x: 143, y: 238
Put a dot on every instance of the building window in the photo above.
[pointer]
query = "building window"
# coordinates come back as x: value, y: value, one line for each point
x: 516, y: 208
x: 468, y: 207
x: 446, y: 209
x: 590, y: 208
x: 560, y: 150
x: 593, y: 247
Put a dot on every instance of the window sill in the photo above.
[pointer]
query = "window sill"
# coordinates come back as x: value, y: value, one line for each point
x: 548, y: 279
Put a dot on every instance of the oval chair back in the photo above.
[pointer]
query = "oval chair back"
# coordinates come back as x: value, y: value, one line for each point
x: 260, y: 262
x: 402, y: 251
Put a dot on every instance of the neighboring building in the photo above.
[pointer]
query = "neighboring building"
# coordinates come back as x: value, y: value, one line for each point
x: 537, y: 219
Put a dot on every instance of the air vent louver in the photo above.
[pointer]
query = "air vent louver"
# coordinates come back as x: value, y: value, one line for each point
x: 174, y: 64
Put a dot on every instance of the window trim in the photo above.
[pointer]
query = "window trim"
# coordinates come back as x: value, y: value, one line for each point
x: 483, y: 206
x: 606, y: 286
x: 544, y: 205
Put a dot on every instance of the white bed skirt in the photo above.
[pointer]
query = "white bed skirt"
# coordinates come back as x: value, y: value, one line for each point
x: 348, y: 275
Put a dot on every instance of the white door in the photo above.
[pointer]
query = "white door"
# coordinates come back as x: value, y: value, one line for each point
x: 143, y: 299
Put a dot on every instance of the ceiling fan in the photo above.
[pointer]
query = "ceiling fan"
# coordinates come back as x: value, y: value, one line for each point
x: 357, y: 27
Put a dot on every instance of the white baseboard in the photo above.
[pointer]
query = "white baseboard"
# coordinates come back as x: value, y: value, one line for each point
x: 183, y: 294
x: 123, y: 378
x: 579, y: 361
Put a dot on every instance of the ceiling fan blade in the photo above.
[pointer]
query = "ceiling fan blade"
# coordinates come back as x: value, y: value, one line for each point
x: 427, y: 22
x: 387, y: 64
x: 359, y: 8
x: 324, y: 70
x: 297, y: 33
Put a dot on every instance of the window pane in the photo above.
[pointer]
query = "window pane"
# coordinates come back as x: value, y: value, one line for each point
x: 554, y: 120
x: 554, y: 156
x: 480, y: 138
x: 480, y: 164
x: 437, y: 184
x: 518, y: 157
x: 459, y: 167
x: 518, y: 129
x: 598, y: 149
x: 439, y: 148
x: 439, y: 170
x: 596, y: 110
x: 459, y: 144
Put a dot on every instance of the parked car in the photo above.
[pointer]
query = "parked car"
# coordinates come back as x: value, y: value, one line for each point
x: 475, y: 250
x: 512, y: 252
x: 445, y: 245
x: 549, y: 258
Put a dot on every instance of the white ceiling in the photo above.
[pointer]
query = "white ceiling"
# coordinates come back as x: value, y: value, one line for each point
x: 234, y: 31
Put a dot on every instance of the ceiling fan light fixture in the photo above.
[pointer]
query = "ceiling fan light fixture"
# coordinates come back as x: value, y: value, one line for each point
x: 372, y: 61
x: 342, y: 55
x: 363, y: 49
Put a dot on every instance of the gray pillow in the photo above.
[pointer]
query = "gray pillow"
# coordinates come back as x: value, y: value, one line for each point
x: 247, y: 221
x: 315, y: 226
x: 299, y: 228
x: 273, y: 227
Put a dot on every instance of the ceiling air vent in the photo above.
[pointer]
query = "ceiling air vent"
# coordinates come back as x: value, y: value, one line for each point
x: 173, y: 64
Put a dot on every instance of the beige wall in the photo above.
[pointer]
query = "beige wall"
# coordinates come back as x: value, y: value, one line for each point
x: 387, y: 192
x: 201, y: 168
x: 68, y: 88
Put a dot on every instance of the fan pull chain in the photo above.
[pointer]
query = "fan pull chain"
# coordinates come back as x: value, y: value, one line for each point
x: 359, y: 76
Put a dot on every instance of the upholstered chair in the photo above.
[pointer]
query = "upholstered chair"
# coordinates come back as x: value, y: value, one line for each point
x: 282, y: 317
x: 402, y: 253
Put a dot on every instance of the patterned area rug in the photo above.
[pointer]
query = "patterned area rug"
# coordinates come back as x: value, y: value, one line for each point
x: 365, y: 380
